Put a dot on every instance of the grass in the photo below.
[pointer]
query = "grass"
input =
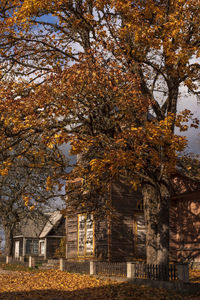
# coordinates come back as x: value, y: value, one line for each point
x: 18, y: 267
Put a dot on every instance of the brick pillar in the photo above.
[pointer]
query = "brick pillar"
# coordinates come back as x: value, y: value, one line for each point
x: 183, y: 272
x: 130, y: 270
x: 92, y: 268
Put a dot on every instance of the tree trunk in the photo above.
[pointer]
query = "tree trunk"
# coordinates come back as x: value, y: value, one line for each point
x: 156, y: 211
x: 8, y: 240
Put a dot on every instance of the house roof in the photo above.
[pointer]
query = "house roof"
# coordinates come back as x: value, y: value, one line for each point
x: 31, y: 226
x: 53, y: 219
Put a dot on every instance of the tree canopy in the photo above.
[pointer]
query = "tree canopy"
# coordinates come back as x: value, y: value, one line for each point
x: 104, y: 76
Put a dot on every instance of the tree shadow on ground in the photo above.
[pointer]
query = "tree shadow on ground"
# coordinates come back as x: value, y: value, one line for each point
x: 121, y: 291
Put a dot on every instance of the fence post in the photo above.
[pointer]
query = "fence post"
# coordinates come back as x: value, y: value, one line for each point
x: 62, y: 264
x: 183, y: 272
x: 92, y: 268
x: 31, y: 262
x: 21, y: 258
x: 130, y: 270
x: 8, y: 259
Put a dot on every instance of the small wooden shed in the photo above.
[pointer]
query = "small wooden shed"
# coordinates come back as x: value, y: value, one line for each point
x: 51, y: 235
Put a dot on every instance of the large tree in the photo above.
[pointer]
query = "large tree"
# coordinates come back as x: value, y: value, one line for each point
x: 94, y: 69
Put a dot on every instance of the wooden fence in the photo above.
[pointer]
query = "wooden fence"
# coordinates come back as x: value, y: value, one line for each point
x: 76, y: 267
x: 132, y: 270
x: 111, y: 269
x: 2, y: 259
x: 30, y: 261
x: 154, y: 272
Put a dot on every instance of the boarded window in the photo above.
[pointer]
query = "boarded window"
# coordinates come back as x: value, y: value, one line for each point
x: 85, y: 235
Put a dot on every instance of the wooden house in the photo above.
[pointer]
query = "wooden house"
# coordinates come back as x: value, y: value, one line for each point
x: 39, y: 235
x: 113, y: 239
x: 122, y: 237
x: 26, y: 235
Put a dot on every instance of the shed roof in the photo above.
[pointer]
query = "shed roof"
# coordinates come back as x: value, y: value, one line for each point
x: 53, y: 219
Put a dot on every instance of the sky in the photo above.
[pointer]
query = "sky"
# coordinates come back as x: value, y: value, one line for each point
x: 193, y: 135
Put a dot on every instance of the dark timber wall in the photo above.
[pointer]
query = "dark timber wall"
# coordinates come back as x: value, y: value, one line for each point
x: 58, y: 229
x: 185, y: 227
x: 113, y: 236
x: 54, y: 237
x: 126, y: 203
x: 72, y: 237
x: 52, y: 243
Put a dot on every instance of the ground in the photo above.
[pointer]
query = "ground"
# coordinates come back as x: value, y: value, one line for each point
x: 57, y: 285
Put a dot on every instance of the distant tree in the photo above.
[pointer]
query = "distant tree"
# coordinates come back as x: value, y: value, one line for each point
x: 26, y: 190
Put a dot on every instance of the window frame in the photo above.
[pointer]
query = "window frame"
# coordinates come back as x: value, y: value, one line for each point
x: 84, y: 252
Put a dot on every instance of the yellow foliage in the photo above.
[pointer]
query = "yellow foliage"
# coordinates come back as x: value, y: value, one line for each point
x: 54, y: 284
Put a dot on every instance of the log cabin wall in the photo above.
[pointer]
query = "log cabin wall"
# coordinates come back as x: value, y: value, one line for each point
x: 185, y: 227
x: 72, y: 237
x: 114, y: 238
x: 175, y: 229
x: 101, y: 239
x: 127, y: 204
x: 122, y: 237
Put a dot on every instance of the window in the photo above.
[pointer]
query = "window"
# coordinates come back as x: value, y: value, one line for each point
x: 31, y: 246
x: 35, y: 247
x: 85, y: 235
x: 28, y: 246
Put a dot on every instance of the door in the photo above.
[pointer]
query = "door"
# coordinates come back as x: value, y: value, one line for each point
x: 16, y: 249
x: 42, y: 252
